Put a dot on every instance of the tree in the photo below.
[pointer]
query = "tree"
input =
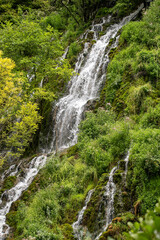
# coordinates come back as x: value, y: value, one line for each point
x: 19, y: 117
x: 37, y: 52
x: 81, y: 10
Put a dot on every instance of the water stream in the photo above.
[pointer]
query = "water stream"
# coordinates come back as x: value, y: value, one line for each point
x: 109, y: 196
x: 110, y: 190
x: 83, y: 87
x: 10, y: 196
x: 77, y: 225
x: 80, y: 231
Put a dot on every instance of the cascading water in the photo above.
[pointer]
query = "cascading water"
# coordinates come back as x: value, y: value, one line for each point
x: 10, y: 196
x: 85, y: 86
x: 77, y: 225
x: 110, y: 190
x: 80, y: 231
x: 109, y: 196
x: 126, y: 160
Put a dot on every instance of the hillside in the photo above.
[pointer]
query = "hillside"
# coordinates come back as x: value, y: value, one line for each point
x: 97, y: 184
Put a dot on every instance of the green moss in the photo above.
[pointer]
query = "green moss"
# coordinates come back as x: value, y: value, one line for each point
x: 90, y: 35
x: 93, y: 42
x: 11, y: 218
x: 67, y: 231
x: 117, y: 177
x: 118, y: 227
x: 72, y: 150
x: 91, y: 213
x: 113, y: 52
x: 9, y: 182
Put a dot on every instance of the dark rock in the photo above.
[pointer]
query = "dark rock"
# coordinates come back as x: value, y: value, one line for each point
x: 122, y: 165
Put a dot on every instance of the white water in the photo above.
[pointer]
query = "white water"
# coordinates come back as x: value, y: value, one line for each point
x: 109, y: 194
x: 77, y: 225
x: 91, y: 69
x: 14, y: 193
x: 80, y: 231
x: 126, y: 160
x: 85, y: 86
x: 109, y: 198
x: 11, y: 171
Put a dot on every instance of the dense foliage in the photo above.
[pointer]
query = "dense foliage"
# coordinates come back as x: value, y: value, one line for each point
x: 40, y: 74
x: 19, y: 116
x: 148, y: 228
x: 128, y: 118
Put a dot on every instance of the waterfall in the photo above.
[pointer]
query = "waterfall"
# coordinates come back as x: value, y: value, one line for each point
x: 80, y: 231
x: 109, y: 196
x: 108, y: 199
x: 110, y: 190
x: 83, y: 87
x: 10, y: 196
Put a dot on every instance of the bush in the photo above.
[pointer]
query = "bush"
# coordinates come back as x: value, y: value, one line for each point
x: 147, y: 228
x: 151, y: 118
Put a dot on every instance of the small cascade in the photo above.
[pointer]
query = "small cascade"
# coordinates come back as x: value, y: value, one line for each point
x: 108, y: 197
x: 77, y: 225
x: 41, y: 83
x: 13, y: 170
x: 105, y: 213
x: 85, y: 86
x: 65, y: 53
x: 8, y: 171
x: 126, y: 160
x: 10, y: 196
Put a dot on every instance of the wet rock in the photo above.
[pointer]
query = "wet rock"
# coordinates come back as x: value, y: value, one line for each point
x: 90, y: 105
x: 117, y: 177
x: 90, y: 35
x: 122, y: 165
x: 5, y: 196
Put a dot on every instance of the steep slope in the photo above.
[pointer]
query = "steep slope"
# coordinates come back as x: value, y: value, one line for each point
x: 129, y: 120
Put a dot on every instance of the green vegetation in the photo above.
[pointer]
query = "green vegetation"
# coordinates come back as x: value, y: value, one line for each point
x: 147, y: 228
x: 19, y: 115
x: 64, y: 182
x: 34, y: 35
x: 8, y: 183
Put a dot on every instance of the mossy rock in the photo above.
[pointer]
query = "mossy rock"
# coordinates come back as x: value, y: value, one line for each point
x: 9, y: 182
x: 72, y: 151
x: 106, y: 234
x: 93, y: 42
x: 90, y: 35
x: 11, y: 218
x: 113, y: 52
x: 112, y: 40
x: 101, y: 33
x: 127, y: 203
x: 122, y: 165
x: 118, y: 226
x: 128, y: 216
x: 91, y: 215
x: 117, y: 178
x: 106, y: 25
